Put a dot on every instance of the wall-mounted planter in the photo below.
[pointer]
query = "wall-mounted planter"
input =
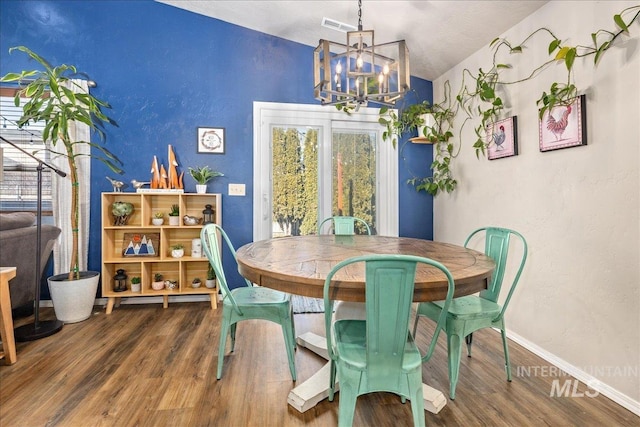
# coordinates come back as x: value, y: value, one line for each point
x: 426, y: 129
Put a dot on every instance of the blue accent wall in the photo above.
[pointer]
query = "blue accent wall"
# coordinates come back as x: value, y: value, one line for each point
x: 166, y: 72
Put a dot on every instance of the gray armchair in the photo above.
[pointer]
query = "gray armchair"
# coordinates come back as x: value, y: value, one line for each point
x: 18, y: 239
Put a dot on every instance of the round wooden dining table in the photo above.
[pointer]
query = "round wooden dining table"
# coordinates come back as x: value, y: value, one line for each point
x: 300, y: 264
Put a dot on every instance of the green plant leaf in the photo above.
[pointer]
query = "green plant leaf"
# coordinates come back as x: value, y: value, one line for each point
x: 562, y: 53
x: 620, y: 23
x: 553, y: 46
x: 600, y: 51
x: 570, y: 57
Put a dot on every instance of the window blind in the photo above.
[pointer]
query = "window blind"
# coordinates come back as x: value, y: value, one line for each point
x: 19, y: 186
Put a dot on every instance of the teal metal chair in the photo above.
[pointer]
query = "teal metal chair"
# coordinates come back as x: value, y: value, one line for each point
x: 344, y: 225
x: 379, y: 354
x: 246, y: 302
x: 473, y: 312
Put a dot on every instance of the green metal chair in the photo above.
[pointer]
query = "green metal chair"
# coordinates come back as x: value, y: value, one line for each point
x: 246, y: 302
x: 344, y: 225
x: 471, y: 313
x: 379, y: 354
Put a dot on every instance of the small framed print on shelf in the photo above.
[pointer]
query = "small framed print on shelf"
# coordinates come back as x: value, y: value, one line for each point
x: 564, y: 126
x: 141, y: 244
x: 211, y: 140
x: 502, y: 138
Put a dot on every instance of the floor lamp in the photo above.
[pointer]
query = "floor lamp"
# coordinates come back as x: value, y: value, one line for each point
x: 37, y: 329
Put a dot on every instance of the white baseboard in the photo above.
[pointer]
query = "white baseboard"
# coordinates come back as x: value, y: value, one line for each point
x: 144, y: 300
x: 582, y: 376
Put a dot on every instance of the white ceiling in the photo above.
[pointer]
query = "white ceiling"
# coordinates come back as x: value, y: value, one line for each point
x: 439, y: 34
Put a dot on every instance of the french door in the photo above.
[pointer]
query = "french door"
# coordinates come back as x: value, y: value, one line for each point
x: 312, y: 162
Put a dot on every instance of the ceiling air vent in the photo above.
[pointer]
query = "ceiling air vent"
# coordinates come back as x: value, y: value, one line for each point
x: 337, y: 25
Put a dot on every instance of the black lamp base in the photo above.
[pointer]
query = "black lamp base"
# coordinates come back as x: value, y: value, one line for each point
x: 31, y: 333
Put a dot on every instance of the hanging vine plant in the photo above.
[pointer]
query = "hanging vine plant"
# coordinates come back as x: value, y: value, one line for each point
x: 478, y: 98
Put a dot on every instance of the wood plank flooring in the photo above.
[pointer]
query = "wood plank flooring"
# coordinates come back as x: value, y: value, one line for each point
x: 144, y: 365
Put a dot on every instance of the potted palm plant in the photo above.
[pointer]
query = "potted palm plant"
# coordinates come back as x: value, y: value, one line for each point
x: 54, y: 102
x: 202, y: 175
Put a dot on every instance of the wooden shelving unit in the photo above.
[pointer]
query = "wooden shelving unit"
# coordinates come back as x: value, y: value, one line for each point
x: 183, y: 270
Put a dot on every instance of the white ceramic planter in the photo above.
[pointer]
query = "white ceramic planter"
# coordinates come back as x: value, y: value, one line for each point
x: 174, y: 220
x: 427, y: 128
x: 177, y: 253
x: 201, y: 188
x: 196, y: 285
x: 136, y: 287
x: 157, y: 221
x: 157, y: 286
x: 210, y: 283
x: 73, y: 300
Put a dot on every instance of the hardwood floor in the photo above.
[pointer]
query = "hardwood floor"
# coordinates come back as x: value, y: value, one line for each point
x: 144, y: 365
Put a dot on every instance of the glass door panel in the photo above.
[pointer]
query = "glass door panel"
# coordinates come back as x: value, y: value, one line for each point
x: 294, y: 180
x: 354, y: 175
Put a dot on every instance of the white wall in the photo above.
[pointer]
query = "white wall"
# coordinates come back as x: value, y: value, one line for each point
x: 579, y: 301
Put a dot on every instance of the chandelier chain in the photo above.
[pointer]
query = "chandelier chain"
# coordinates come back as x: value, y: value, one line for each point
x: 359, y: 15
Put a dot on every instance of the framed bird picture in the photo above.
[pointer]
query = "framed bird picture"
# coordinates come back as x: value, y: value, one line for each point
x: 564, y: 126
x: 502, y: 138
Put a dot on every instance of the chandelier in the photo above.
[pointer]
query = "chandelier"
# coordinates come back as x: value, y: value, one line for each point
x: 358, y: 72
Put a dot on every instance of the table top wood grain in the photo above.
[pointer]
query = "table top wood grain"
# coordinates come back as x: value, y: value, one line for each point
x: 300, y: 264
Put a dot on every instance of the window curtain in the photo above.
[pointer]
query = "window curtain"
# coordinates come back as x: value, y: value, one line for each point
x: 61, y: 193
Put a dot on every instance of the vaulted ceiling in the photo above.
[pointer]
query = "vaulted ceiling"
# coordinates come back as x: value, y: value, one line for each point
x: 439, y: 34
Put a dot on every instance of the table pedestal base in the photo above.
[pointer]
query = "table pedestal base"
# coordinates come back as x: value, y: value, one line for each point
x: 315, y: 389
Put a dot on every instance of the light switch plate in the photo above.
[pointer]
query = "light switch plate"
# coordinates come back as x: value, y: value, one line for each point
x: 236, y: 189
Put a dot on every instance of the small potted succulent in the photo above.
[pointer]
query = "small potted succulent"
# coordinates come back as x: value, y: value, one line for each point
x: 202, y: 175
x: 177, y: 250
x: 211, y: 278
x: 174, y: 215
x: 135, y: 284
x: 196, y: 282
x: 158, y: 282
x: 158, y: 218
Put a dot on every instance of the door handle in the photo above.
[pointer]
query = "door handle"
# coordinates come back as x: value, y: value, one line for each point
x: 265, y: 206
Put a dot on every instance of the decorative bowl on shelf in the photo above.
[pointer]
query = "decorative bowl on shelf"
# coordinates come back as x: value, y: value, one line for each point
x: 157, y: 286
x: 171, y: 284
x: 191, y: 220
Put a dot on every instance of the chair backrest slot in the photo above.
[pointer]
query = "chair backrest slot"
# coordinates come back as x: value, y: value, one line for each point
x: 345, y: 225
